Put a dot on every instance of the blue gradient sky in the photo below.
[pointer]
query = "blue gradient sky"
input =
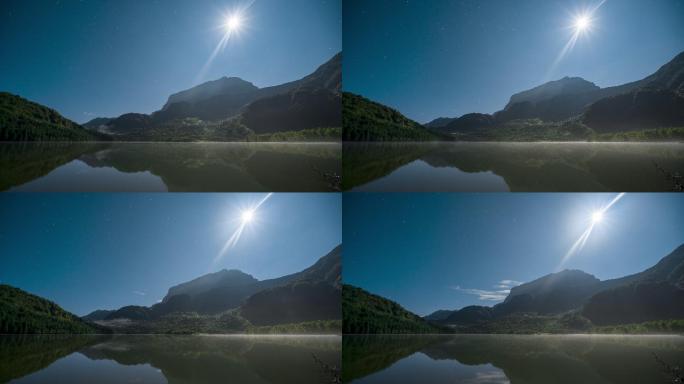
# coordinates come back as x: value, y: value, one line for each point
x: 103, y: 251
x: 417, y: 248
x: 105, y: 58
x: 447, y: 58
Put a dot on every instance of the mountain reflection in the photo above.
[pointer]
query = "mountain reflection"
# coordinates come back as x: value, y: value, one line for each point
x: 515, y: 358
x: 180, y: 359
x: 181, y: 167
x: 540, y: 167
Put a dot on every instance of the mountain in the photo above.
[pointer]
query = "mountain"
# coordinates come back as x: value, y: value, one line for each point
x: 655, y: 101
x: 98, y: 124
x: 24, y: 120
x: 296, y: 302
x: 99, y: 314
x: 364, y: 312
x: 656, y: 293
x: 226, y: 87
x: 314, y: 294
x: 366, y: 120
x: 223, y: 278
x: 303, y: 108
x: 574, y: 108
x: 469, y: 315
x: 231, y: 106
x: 553, y: 293
x: 636, y: 303
x: 439, y: 122
x: 551, y: 101
x: 22, y: 312
x: 309, y: 295
x: 438, y: 315
x: 470, y: 122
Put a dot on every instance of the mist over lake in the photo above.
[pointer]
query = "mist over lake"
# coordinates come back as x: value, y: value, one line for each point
x: 168, y: 358
x: 516, y: 167
x: 172, y: 167
x: 519, y: 359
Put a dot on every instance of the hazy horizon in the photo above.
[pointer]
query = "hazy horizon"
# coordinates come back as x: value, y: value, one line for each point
x: 101, y: 59
x: 453, y: 58
x: 448, y: 251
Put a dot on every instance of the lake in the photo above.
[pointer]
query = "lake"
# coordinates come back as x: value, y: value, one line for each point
x: 169, y: 359
x: 172, y: 167
x: 517, y: 167
x: 517, y: 359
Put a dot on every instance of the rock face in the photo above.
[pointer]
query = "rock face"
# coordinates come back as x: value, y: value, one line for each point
x: 312, y: 294
x: 223, y: 87
x: 656, y: 293
x: 313, y: 101
x: 653, y: 102
x: 553, y: 101
x: 554, y: 293
x: 223, y: 278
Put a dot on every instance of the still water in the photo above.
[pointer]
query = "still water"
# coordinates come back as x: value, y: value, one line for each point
x: 173, y: 167
x: 170, y: 359
x: 517, y: 359
x: 533, y: 167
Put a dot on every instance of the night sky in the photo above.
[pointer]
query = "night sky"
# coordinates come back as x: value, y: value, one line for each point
x: 446, y: 251
x: 105, y: 58
x: 447, y: 58
x: 104, y: 251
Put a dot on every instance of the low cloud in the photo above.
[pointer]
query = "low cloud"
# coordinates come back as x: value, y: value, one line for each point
x: 140, y: 293
x: 499, y: 293
x: 507, y: 284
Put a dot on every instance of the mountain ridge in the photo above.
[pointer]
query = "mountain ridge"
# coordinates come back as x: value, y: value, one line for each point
x: 577, y: 291
x: 25, y: 120
x: 656, y: 101
x: 225, y: 290
x: 234, y: 104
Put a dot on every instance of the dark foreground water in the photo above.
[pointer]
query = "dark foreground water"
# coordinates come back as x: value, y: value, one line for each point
x: 523, y: 359
x: 169, y: 359
x: 534, y: 167
x: 173, y: 167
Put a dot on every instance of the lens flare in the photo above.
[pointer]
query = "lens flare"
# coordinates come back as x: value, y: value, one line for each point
x: 596, y: 217
x: 582, y: 23
x: 247, y: 216
x: 231, y: 25
x: 233, y: 22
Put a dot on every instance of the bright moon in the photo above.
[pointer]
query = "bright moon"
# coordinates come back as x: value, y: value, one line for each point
x: 597, y: 216
x: 233, y: 23
x: 582, y: 23
x: 247, y: 216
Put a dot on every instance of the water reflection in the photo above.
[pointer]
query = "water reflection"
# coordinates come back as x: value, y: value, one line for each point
x: 167, y: 358
x: 510, y: 358
x: 541, y: 167
x: 175, y: 167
